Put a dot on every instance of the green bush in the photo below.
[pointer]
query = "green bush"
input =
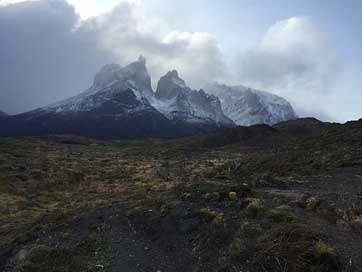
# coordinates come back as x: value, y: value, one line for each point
x: 322, y: 250
x: 255, y: 207
x: 280, y: 215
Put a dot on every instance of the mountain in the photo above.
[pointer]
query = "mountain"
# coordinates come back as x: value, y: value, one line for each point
x: 121, y: 104
x: 246, y: 106
x: 2, y: 114
x: 115, y: 91
x: 177, y: 101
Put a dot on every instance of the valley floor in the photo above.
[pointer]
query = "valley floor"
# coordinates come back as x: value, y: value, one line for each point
x: 75, y: 204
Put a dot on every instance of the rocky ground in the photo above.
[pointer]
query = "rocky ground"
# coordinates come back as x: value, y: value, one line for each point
x: 283, y: 198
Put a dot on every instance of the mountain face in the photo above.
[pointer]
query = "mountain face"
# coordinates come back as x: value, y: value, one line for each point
x: 248, y: 107
x: 122, y: 104
x: 115, y: 91
x: 177, y: 101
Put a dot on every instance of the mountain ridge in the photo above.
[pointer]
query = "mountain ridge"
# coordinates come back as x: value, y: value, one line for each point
x: 119, y: 104
x: 122, y: 104
x: 177, y: 100
x: 247, y: 106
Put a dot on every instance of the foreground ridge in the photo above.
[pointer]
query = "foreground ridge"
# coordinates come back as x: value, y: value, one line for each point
x: 246, y: 199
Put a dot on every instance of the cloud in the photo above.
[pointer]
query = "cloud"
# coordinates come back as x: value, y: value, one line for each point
x: 49, y: 53
x: 50, y: 50
x: 92, y: 8
x: 127, y: 33
x: 293, y: 59
x: 9, y: 2
x: 42, y: 58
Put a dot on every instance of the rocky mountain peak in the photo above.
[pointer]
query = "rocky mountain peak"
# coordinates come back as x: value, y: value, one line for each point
x: 138, y: 67
x: 107, y: 74
x: 142, y: 59
x: 246, y: 106
x: 170, y: 86
x: 177, y: 101
x: 174, y: 77
x: 134, y: 76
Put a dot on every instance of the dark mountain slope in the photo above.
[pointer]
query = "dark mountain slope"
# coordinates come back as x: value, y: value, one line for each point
x: 304, y: 130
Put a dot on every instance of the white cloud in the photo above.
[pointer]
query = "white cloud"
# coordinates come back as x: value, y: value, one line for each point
x: 91, y: 8
x: 293, y: 59
x: 85, y: 8
x: 127, y: 33
x: 10, y: 2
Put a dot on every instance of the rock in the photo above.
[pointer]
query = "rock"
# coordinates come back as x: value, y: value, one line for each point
x: 164, y: 173
x: 246, y: 201
x: 186, y: 196
x: 29, y: 252
x: 233, y: 196
x: 313, y: 203
x: 212, y: 197
x: 100, y: 267
x: 356, y: 224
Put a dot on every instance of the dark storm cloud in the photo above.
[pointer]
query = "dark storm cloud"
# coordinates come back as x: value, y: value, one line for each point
x: 42, y: 59
x: 48, y: 54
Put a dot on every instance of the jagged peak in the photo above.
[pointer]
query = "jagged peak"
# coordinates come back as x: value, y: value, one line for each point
x: 173, y: 77
x: 201, y: 91
x: 138, y: 68
x: 135, y: 71
x: 141, y: 59
x: 248, y: 106
x: 140, y: 63
x: 106, y: 74
x: 171, y: 85
x: 172, y: 74
x: 207, y: 95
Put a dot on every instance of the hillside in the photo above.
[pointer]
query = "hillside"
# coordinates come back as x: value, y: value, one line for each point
x: 281, y: 198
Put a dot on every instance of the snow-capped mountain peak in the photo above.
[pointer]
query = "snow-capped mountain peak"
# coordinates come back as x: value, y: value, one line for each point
x: 111, y: 84
x: 171, y: 85
x: 125, y: 90
x: 247, y: 106
x: 107, y: 74
x: 177, y: 101
x: 134, y: 76
x: 174, y: 77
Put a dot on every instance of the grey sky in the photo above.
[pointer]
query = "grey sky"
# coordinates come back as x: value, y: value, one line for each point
x: 307, y: 51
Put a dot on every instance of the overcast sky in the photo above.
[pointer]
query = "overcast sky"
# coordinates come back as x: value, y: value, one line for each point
x: 304, y: 50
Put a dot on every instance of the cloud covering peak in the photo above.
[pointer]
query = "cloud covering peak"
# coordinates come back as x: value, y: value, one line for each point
x: 293, y: 59
x: 48, y: 53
